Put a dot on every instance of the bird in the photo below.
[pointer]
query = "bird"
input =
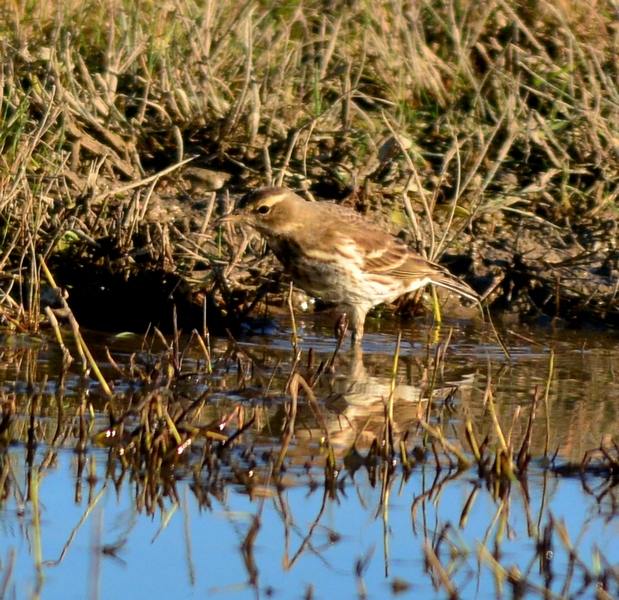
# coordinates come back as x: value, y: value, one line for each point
x: 334, y: 253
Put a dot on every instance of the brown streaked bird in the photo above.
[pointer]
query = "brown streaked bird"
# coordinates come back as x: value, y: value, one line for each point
x: 334, y: 253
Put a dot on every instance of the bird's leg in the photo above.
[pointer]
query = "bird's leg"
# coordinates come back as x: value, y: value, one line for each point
x: 357, y: 321
x: 357, y: 334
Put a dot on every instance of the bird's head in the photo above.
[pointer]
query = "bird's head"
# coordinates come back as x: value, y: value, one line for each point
x: 272, y: 211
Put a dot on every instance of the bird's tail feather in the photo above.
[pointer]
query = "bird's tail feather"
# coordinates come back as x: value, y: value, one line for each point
x: 452, y: 284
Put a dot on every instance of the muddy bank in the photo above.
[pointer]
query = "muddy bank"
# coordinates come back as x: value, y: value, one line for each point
x: 179, y: 266
x: 495, y: 151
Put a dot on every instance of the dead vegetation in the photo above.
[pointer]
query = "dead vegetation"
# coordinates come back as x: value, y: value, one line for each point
x: 486, y: 131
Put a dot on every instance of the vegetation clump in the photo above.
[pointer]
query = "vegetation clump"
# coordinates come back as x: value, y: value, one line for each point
x: 486, y: 131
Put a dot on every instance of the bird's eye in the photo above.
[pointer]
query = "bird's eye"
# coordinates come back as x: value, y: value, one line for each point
x: 264, y: 209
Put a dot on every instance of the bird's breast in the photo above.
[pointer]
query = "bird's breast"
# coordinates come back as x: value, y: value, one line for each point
x: 334, y: 275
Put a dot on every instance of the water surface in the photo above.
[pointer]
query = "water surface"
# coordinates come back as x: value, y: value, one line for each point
x: 75, y: 523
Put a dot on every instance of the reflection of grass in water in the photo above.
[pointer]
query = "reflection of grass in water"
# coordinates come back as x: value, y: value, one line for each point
x: 238, y: 422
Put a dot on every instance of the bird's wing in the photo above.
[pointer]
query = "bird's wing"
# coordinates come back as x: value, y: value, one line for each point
x: 394, y: 258
x: 385, y: 254
x: 377, y: 252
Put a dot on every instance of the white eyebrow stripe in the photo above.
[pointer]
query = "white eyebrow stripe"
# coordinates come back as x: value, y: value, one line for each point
x: 270, y: 200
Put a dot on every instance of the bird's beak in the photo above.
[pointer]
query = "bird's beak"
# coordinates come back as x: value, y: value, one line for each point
x: 232, y: 217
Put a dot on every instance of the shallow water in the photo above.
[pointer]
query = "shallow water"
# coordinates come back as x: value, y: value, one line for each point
x: 74, y: 524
